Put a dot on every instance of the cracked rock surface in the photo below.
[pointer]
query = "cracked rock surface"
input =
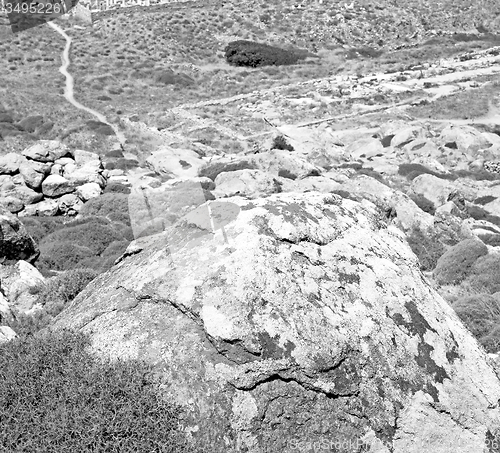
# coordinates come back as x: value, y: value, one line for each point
x: 304, y: 320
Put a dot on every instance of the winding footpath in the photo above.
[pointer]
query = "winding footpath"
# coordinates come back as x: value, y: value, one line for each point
x: 69, y: 87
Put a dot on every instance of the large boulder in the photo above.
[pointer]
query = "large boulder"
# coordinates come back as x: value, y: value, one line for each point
x: 15, y: 242
x: 304, y: 319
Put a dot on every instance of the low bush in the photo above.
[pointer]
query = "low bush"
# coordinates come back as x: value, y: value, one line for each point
x: 372, y: 174
x: 253, y: 54
x: 280, y: 142
x: 64, y: 288
x: 411, y: 171
x: 484, y: 276
x: 479, y: 213
x: 456, y: 263
x: 39, y: 227
x: 427, y: 246
x: 115, y: 187
x: 56, y: 396
x: 114, y: 206
x: 423, y: 203
x: 492, y: 239
x: 481, y: 315
x: 62, y: 256
x: 94, y: 236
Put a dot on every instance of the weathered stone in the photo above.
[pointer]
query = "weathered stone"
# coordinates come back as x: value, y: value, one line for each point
x: 88, y: 191
x: 307, y: 318
x: 19, y: 284
x: 57, y: 169
x: 33, y: 173
x: 408, y: 214
x: 406, y: 135
x: 465, y: 139
x: 247, y: 183
x: 434, y: 189
x: 11, y: 204
x: 82, y: 158
x: 55, y: 186
x: 87, y: 173
x: 46, y: 151
x: 69, y: 204
x: 9, y: 164
x: 23, y: 193
x: 6, y: 334
x: 279, y: 162
x: 47, y: 207
x: 364, y: 148
x: 15, y: 242
x: 175, y: 162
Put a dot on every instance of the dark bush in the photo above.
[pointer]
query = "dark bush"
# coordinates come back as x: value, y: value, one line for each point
x: 423, y: 203
x: 481, y: 315
x: 253, y: 54
x: 372, y: 174
x: 479, y: 213
x: 122, y: 164
x: 484, y: 275
x: 492, y: 239
x: 56, y: 396
x: 62, y: 256
x: 411, y: 171
x: 114, y: 206
x: 116, y: 187
x: 94, y: 236
x: 39, y: 227
x: 427, y: 246
x: 284, y: 173
x: 62, y: 289
x: 456, y: 263
x: 484, y: 200
x: 481, y: 175
x: 280, y: 142
x: 169, y: 77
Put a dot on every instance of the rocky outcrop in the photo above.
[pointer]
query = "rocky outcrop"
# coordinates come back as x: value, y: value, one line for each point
x: 15, y: 242
x: 302, y: 318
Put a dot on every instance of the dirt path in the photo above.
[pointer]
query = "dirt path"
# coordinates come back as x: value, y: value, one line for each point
x: 69, y: 87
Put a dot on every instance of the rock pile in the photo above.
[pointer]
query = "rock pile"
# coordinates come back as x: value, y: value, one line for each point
x: 49, y: 179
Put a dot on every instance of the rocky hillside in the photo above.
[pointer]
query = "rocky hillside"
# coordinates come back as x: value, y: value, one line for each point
x: 310, y: 260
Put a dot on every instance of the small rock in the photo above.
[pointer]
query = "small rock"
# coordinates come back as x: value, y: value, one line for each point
x: 46, y: 151
x: 33, y: 173
x: 9, y: 164
x: 70, y: 204
x: 84, y: 157
x: 15, y: 242
x: 55, y: 186
x: 6, y: 334
x: 88, y: 191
